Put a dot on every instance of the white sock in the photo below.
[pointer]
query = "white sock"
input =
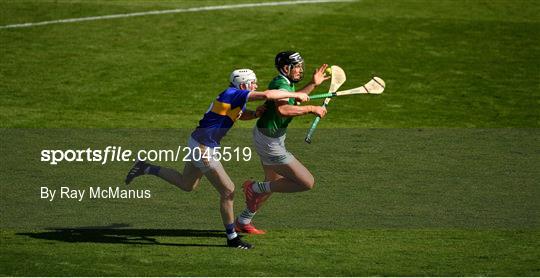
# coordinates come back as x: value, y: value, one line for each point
x: 246, y: 216
x: 261, y: 186
x: 231, y: 236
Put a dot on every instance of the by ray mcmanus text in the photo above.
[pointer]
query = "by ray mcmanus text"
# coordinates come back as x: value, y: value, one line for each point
x: 96, y: 192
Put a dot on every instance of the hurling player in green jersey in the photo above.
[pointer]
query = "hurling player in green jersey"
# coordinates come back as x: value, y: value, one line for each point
x: 283, y: 172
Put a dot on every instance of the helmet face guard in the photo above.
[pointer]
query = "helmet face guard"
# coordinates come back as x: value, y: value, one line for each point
x: 287, y: 61
x: 295, y: 66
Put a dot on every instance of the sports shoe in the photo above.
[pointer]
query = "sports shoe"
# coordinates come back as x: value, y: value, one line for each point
x: 247, y: 229
x: 254, y: 200
x: 136, y: 170
x: 238, y: 243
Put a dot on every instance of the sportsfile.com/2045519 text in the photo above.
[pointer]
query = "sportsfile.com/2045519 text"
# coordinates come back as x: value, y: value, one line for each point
x: 119, y: 154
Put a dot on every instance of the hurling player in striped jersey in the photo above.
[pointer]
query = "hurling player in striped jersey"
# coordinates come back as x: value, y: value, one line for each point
x: 228, y: 107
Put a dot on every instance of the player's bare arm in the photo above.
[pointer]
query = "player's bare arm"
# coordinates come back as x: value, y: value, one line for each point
x: 248, y: 115
x: 286, y: 110
x: 277, y: 95
x: 253, y: 114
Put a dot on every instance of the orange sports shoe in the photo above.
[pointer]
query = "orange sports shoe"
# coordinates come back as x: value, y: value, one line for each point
x: 254, y: 200
x: 247, y: 229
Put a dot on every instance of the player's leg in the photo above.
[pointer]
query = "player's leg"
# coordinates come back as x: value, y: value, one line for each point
x: 283, y: 173
x: 213, y: 170
x: 224, y: 185
x: 244, y: 220
x: 287, y: 178
x: 284, y: 178
x: 293, y: 175
x: 187, y: 180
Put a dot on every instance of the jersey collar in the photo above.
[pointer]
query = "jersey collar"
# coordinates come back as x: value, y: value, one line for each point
x: 286, y: 78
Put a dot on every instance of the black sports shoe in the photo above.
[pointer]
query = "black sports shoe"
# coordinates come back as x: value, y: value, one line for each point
x: 136, y: 170
x: 238, y: 243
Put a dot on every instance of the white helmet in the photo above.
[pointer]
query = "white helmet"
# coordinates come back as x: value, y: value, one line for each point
x: 242, y: 76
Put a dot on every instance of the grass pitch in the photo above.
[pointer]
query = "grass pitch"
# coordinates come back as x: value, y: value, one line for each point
x: 444, y: 181
x: 450, y: 63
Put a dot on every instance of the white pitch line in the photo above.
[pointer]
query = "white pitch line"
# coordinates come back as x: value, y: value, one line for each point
x: 188, y: 10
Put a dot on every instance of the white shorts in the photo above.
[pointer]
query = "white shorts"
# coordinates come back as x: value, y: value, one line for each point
x: 203, y: 157
x: 271, y: 150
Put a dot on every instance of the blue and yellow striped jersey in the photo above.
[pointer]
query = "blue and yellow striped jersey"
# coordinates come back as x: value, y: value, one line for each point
x: 220, y: 116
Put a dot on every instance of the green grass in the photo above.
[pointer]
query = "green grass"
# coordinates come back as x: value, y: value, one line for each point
x: 450, y: 63
x: 436, y: 177
x: 401, y: 202
x: 320, y: 253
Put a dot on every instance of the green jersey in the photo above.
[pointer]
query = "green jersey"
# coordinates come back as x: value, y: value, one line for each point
x: 271, y: 123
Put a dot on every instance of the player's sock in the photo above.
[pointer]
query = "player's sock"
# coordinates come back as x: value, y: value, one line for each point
x: 246, y: 216
x: 231, y: 233
x: 152, y: 169
x: 261, y: 186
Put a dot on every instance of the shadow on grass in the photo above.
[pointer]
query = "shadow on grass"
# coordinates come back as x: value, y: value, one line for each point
x: 118, y: 234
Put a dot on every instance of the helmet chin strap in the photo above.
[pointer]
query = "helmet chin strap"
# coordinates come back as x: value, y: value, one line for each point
x: 282, y: 71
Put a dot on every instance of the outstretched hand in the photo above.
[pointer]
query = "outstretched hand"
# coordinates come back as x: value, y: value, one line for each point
x: 319, y: 76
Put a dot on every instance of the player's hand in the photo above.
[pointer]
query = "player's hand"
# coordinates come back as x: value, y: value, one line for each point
x: 259, y: 111
x: 319, y: 111
x: 319, y: 76
x: 301, y: 97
